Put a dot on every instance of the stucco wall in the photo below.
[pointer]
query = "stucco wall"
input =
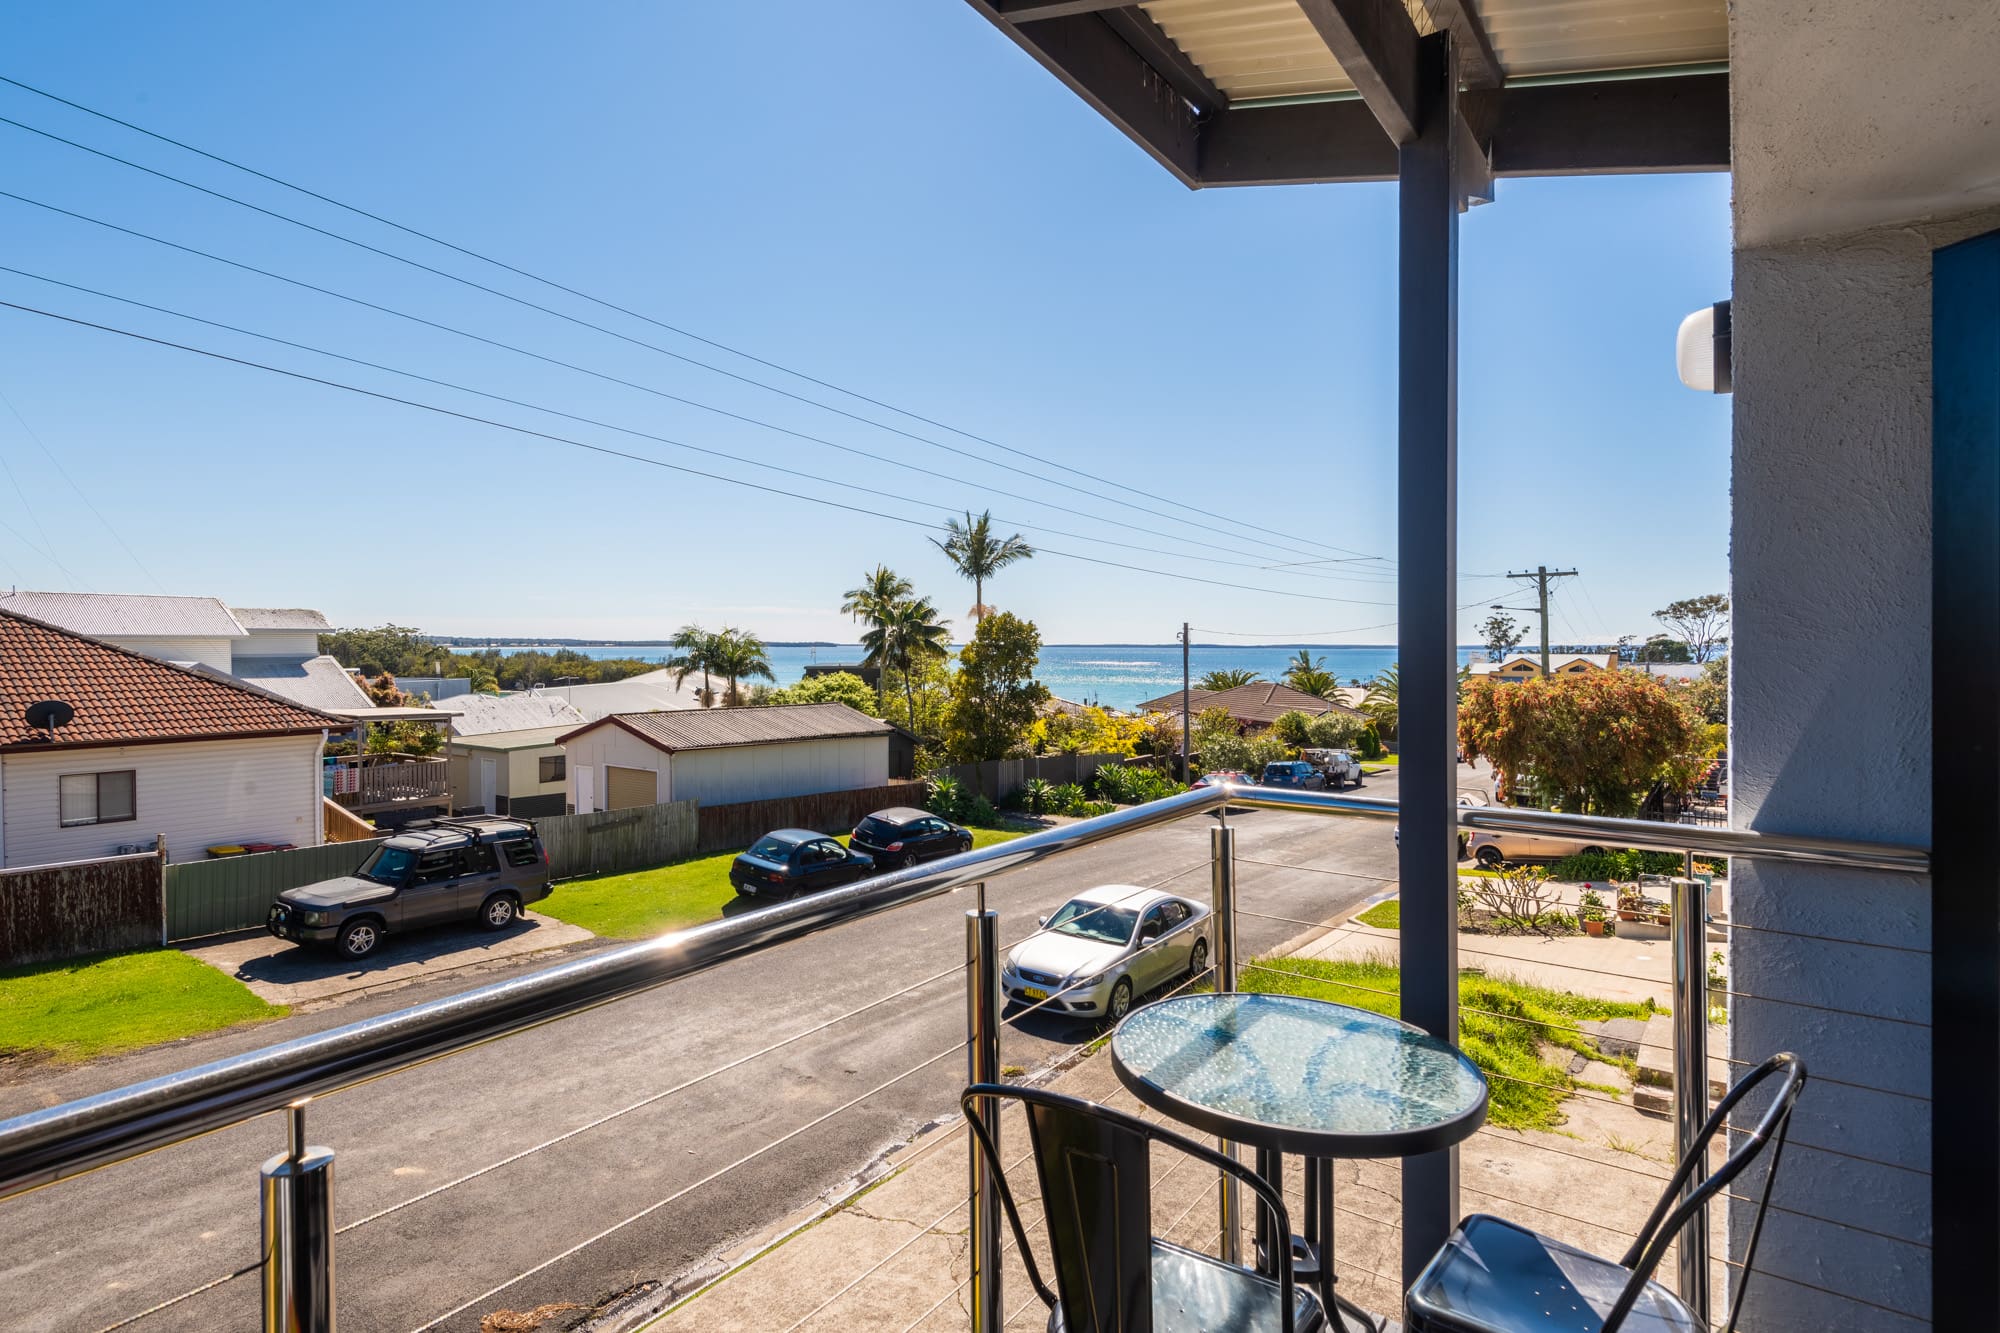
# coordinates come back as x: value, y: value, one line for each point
x: 1831, y: 715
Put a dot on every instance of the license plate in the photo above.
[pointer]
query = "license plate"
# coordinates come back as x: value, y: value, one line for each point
x: 1034, y: 993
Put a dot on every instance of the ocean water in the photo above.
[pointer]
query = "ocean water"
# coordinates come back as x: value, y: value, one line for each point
x: 1117, y: 675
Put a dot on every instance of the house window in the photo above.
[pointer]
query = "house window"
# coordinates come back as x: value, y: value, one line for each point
x: 98, y: 798
x: 555, y: 767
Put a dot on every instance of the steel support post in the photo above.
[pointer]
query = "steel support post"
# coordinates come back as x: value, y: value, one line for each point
x: 1426, y: 599
x: 1222, y: 901
x: 1690, y: 941
x: 297, y: 1187
x: 982, y: 1065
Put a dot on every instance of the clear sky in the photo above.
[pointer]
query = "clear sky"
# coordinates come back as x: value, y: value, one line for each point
x: 887, y: 196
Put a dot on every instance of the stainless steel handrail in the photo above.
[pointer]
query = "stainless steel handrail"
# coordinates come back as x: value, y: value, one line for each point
x: 45, y: 1146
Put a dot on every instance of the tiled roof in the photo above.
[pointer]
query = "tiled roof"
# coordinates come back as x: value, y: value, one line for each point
x: 124, y: 698
x: 280, y: 617
x: 715, y: 728
x: 119, y: 615
x: 480, y: 714
x: 1259, y: 701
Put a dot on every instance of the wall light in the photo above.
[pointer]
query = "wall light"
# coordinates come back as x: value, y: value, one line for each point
x: 1701, y: 350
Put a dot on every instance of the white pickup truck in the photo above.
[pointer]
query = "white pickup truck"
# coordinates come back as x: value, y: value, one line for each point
x: 1342, y: 769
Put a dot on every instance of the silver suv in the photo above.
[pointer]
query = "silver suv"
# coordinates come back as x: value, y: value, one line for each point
x: 432, y: 874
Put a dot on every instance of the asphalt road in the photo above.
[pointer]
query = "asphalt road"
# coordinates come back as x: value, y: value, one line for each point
x: 580, y: 1158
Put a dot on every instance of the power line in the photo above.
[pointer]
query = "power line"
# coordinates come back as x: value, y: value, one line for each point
x: 613, y: 333
x: 1310, y: 636
x: 607, y: 450
x: 482, y: 339
x: 592, y: 421
x: 81, y: 494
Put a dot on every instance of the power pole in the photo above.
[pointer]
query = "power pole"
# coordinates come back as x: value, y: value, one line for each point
x: 1187, y: 767
x: 1541, y: 576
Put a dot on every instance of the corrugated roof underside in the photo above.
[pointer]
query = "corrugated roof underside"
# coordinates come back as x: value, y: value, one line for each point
x: 1251, y: 48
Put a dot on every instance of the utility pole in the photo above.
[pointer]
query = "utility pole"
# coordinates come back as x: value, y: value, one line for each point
x: 1187, y: 767
x: 1541, y: 575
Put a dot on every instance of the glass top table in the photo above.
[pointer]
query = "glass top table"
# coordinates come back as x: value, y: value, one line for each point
x: 1299, y: 1076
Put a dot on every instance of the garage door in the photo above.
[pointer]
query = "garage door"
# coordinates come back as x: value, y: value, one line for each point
x: 627, y: 787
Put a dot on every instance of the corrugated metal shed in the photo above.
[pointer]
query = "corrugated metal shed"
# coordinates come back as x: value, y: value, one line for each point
x: 719, y: 728
x: 530, y: 738
x: 479, y: 714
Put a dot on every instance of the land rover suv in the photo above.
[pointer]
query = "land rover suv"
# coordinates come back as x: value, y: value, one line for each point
x: 437, y: 873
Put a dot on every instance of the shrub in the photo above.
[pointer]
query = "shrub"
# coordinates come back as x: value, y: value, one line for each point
x: 1519, y: 899
x: 1067, y: 799
x: 943, y: 796
x: 1133, y: 786
x: 1595, y: 866
x: 1243, y: 753
x: 978, y: 810
x: 1036, y: 795
x: 1335, y: 731
x: 1293, y: 728
x: 1369, y: 743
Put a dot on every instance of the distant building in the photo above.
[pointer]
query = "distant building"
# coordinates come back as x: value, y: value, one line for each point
x: 521, y: 773
x: 1254, y: 706
x: 723, y: 755
x: 483, y: 714
x: 1527, y: 666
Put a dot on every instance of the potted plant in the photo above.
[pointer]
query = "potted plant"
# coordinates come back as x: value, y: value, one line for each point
x: 1630, y: 902
x: 1591, y: 906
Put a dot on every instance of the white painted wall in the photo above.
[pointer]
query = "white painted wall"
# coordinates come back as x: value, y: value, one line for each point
x: 214, y: 652
x: 198, y: 794
x: 613, y: 745
x: 762, y: 772
x: 299, y: 643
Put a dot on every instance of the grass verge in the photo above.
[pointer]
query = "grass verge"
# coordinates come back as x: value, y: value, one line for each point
x: 641, y: 903
x: 85, y: 1008
x: 1527, y: 1089
x: 1384, y: 916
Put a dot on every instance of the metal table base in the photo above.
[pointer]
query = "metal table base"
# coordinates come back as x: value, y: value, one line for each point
x: 1312, y: 1253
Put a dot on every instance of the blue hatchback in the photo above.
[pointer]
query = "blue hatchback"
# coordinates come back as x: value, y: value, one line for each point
x: 1293, y: 773
x: 793, y: 861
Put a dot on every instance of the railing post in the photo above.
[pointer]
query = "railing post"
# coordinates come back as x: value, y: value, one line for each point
x: 298, y: 1234
x: 1690, y: 944
x: 1222, y: 882
x: 982, y: 1065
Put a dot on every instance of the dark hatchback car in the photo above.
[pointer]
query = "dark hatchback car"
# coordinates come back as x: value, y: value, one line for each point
x: 904, y: 836
x: 1293, y: 773
x: 793, y: 861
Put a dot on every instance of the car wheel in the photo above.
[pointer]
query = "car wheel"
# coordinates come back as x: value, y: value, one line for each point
x: 1489, y: 856
x: 1121, y: 1000
x: 359, y: 938
x: 499, y: 911
x: 1198, y: 958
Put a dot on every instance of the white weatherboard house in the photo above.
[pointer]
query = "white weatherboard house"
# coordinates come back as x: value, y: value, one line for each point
x: 149, y: 750
x: 723, y: 755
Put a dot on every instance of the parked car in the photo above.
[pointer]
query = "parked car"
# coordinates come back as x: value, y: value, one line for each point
x: 794, y: 861
x: 1222, y: 775
x: 1106, y: 947
x: 1340, y: 767
x: 903, y: 836
x: 437, y: 873
x: 1293, y: 773
x: 1491, y: 849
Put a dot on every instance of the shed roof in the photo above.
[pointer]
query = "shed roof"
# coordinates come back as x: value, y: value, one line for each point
x: 479, y: 714
x: 281, y: 618
x: 528, y: 738
x: 121, y: 615
x: 127, y: 698
x: 718, y: 728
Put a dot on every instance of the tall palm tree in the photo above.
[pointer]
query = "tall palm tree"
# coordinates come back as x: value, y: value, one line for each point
x: 694, y: 650
x: 739, y: 654
x: 879, y: 588
x: 1227, y: 678
x: 908, y: 634
x: 1384, y: 692
x: 1305, y: 672
x: 978, y: 555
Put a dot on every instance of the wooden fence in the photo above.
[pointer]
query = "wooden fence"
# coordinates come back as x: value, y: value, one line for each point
x: 79, y: 907
x: 997, y: 779
x: 742, y: 823
x: 608, y: 841
x: 235, y: 892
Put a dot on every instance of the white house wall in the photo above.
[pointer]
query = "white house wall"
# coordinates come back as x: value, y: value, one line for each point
x: 300, y: 643
x: 613, y: 746
x: 198, y: 795
x: 763, y: 772
x: 213, y: 652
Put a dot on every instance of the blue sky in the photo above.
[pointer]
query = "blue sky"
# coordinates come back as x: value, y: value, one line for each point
x: 890, y: 197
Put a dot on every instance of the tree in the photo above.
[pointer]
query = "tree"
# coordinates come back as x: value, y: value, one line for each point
x: 1226, y: 678
x: 1594, y: 742
x: 917, y: 700
x: 695, y: 649
x: 1305, y: 672
x: 978, y: 555
x: 1709, y: 694
x: 1219, y: 741
x: 1294, y: 728
x: 902, y: 634
x: 881, y: 587
x: 399, y: 650
x: 739, y: 655
x: 1335, y: 731
x: 1501, y: 634
x: 835, y: 687
x: 1700, y: 622
x: 994, y: 696
x: 1384, y: 698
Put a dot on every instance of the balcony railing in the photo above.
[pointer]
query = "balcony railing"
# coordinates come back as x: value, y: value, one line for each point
x: 371, y: 788
x: 44, y: 1147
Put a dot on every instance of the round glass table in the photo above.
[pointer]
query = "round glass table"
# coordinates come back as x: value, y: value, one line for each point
x: 1285, y: 1074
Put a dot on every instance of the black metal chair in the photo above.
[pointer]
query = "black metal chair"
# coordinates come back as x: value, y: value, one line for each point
x: 1112, y: 1274
x: 1493, y: 1276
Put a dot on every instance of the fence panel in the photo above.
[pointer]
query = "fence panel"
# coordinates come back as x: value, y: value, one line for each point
x: 997, y: 779
x: 235, y: 892
x: 608, y: 841
x: 741, y: 823
x: 75, y: 908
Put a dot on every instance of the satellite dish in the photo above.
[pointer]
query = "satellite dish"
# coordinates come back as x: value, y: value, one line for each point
x: 50, y: 714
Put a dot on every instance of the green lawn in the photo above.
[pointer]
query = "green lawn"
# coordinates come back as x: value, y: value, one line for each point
x: 85, y: 1008
x: 1384, y: 916
x: 1531, y: 1091
x: 642, y: 903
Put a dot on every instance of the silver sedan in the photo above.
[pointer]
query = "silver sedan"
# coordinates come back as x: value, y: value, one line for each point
x: 1106, y: 947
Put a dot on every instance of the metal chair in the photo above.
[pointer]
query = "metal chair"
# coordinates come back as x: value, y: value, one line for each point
x: 1112, y: 1274
x: 1493, y: 1276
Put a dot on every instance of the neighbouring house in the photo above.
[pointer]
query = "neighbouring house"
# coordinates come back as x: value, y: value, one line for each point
x: 521, y: 773
x: 1668, y: 670
x: 173, y: 629
x: 483, y: 714
x: 647, y: 692
x: 723, y: 755
x: 871, y: 674
x: 1527, y: 666
x: 149, y: 750
x: 1254, y: 706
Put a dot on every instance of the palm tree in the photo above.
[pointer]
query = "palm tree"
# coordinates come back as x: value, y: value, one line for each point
x: 694, y: 650
x: 1305, y: 672
x: 907, y: 634
x: 879, y: 588
x: 978, y: 555
x: 739, y: 653
x: 1227, y: 678
x: 1381, y: 700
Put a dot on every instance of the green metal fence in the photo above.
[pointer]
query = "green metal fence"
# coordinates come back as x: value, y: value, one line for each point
x: 234, y: 893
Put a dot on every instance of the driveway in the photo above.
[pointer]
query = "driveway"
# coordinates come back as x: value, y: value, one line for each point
x: 283, y: 973
x: 638, y: 1141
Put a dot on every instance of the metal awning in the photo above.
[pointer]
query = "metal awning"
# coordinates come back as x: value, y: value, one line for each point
x: 439, y: 715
